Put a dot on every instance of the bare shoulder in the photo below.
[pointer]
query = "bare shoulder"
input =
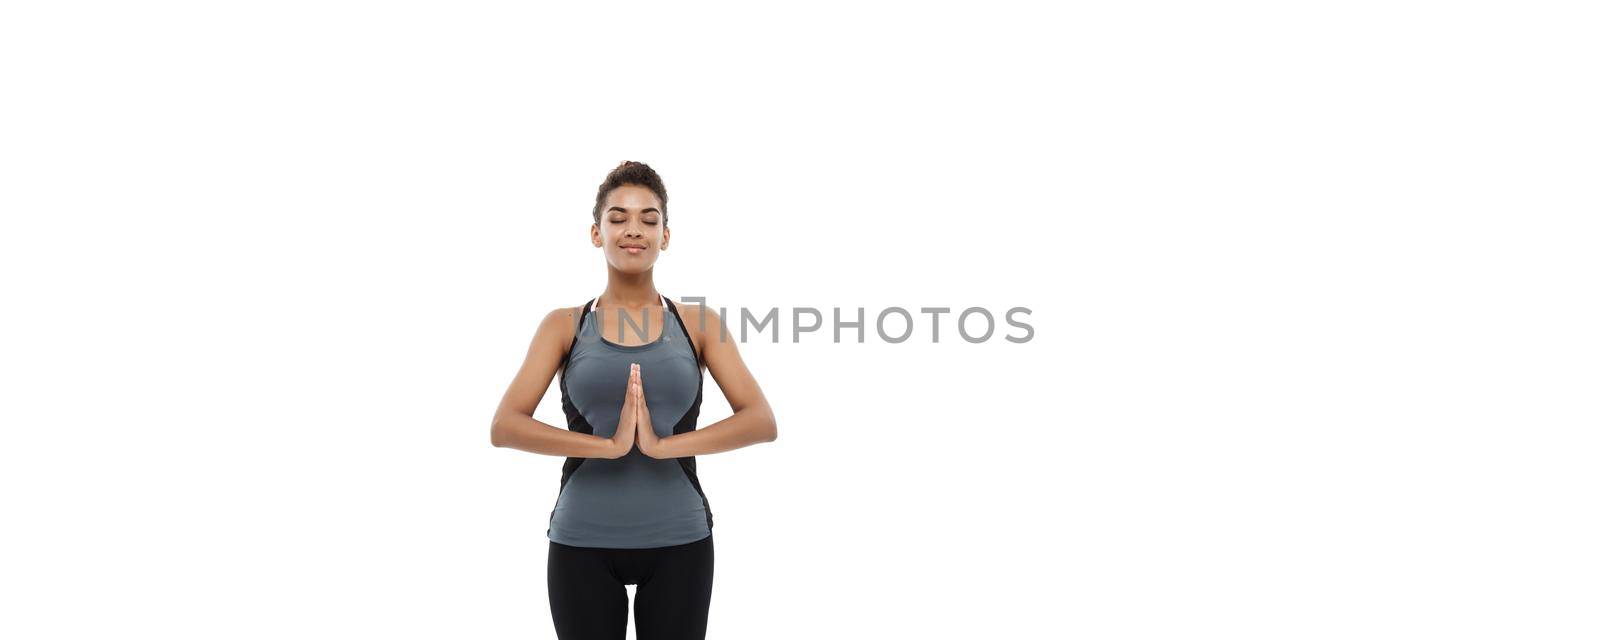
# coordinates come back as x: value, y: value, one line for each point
x: 561, y: 323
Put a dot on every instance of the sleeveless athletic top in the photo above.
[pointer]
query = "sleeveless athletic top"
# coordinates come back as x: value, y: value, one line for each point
x: 636, y: 501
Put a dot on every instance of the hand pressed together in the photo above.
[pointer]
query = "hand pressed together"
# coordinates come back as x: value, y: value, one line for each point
x: 627, y: 423
x: 649, y: 442
x: 634, y: 426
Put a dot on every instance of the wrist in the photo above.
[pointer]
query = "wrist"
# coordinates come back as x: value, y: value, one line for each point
x: 652, y: 449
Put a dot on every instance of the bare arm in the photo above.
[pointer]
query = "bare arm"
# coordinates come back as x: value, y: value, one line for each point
x: 752, y: 421
x: 514, y: 426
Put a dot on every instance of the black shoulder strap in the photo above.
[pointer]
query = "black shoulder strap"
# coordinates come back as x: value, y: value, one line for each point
x: 582, y: 315
x: 575, y: 331
x: 681, y: 326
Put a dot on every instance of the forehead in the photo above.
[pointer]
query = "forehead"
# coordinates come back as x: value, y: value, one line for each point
x: 632, y: 197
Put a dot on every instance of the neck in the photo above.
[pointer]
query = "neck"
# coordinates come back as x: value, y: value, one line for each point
x: 627, y: 290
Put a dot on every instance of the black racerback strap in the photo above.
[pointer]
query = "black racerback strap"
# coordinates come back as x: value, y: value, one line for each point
x: 682, y: 326
x: 582, y: 315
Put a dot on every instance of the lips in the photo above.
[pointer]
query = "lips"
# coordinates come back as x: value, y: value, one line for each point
x: 633, y: 249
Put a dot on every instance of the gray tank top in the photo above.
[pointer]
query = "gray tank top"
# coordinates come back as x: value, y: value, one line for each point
x: 632, y: 502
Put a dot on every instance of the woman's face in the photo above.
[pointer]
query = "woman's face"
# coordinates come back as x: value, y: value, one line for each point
x: 632, y: 230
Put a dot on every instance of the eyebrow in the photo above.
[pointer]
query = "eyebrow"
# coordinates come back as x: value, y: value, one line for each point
x: 645, y: 210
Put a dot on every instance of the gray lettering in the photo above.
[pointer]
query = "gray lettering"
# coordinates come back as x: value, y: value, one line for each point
x: 860, y: 325
x: 1019, y: 325
x: 885, y: 336
x: 961, y: 324
x: 936, y: 311
x: 745, y: 320
x: 798, y: 329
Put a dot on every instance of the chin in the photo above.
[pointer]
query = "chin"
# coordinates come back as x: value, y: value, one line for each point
x: 633, y: 266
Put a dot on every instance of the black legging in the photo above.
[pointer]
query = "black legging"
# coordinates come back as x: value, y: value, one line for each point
x: 588, y: 600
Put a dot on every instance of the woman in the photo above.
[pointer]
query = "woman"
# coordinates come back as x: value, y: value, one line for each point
x: 630, y: 508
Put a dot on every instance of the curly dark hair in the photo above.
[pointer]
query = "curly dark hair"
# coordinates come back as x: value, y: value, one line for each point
x: 635, y: 173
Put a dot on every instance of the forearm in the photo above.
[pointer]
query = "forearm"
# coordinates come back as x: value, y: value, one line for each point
x: 751, y: 425
x: 517, y: 431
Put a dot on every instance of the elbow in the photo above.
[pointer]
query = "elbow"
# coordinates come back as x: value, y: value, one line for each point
x: 497, y: 436
x: 772, y: 427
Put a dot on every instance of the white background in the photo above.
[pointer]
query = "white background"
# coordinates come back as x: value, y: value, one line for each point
x: 1314, y: 292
